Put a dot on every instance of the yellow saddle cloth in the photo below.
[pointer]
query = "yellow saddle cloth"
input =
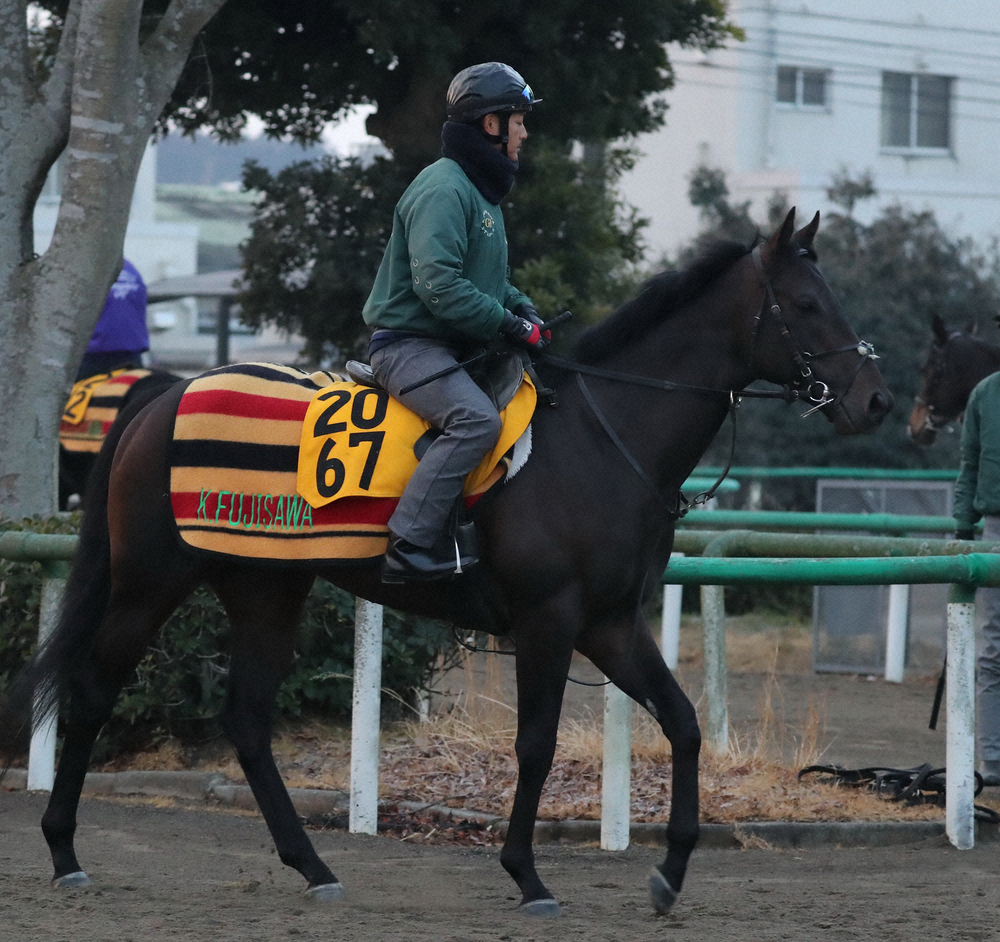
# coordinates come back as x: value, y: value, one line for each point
x: 273, y: 463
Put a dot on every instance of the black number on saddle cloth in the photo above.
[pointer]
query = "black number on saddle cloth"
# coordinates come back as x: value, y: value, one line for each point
x: 74, y: 400
x: 326, y: 463
x: 362, y: 396
x: 323, y: 425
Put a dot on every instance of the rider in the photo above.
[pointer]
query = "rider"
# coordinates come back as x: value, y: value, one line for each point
x: 120, y: 336
x: 441, y: 293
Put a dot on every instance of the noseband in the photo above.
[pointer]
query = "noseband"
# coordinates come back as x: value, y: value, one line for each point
x: 810, y: 389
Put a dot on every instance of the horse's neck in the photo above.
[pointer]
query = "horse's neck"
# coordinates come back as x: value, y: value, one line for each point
x: 697, y: 347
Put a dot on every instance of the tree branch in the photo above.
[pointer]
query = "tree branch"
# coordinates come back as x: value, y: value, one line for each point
x: 165, y: 53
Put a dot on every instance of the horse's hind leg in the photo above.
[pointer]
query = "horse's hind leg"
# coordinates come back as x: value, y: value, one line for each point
x: 134, y: 615
x: 628, y: 656
x: 264, y: 611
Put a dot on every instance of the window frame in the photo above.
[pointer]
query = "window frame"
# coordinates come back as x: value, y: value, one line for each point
x: 913, y: 148
x: 799, y: 104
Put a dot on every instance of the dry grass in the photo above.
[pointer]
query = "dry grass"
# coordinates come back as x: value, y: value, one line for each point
x: 464, y: 756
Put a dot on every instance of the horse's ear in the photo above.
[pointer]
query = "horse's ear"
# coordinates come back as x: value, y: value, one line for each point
x: 807, y: 233
x: 778, y: 240
x: 940, y: 331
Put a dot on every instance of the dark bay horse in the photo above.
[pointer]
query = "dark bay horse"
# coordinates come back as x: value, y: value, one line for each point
x: 957, y: 360
x: 570, y: 545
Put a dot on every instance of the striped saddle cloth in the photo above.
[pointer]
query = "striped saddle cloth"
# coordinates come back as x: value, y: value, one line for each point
x: 272, y: 463
x: 93, y: 405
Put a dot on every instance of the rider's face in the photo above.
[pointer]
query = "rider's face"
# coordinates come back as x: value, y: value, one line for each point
x: 516, y: 132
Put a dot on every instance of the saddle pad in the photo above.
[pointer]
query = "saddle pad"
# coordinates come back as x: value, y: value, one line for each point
x: 93, y: 406
x: 234, y: 470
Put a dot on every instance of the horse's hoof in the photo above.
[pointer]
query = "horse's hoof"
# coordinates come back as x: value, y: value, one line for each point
x: 75, y: 880
x: 663, y: 894
x: 545, y: 908
x: 326, y: 892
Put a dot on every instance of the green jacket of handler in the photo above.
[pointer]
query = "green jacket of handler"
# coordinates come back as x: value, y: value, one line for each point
x: 977, y: 490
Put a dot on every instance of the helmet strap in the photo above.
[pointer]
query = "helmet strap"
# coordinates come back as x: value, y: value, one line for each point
x: 504, y: 136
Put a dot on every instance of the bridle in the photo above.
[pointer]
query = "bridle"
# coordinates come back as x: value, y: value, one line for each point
x: 804, y: 388
x: 816, y: 391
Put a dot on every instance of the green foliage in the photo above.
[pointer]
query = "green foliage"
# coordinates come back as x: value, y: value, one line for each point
x: 297, y: 63
x: 179, y: 685
x: 316, y: 241
x: 572, y: 240
x: 891, y: 276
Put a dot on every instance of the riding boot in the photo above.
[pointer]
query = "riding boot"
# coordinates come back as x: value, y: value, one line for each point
x: 450, y: 556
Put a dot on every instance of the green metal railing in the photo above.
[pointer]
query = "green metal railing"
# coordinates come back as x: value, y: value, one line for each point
x: 864, y: 474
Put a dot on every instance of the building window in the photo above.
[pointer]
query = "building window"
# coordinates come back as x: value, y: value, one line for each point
x: 802, y: 87
x: 916, y: 111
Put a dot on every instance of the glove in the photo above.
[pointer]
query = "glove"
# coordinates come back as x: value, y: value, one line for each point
x: 521, y: 331
x: 528, y: 312
x: 965, y: 533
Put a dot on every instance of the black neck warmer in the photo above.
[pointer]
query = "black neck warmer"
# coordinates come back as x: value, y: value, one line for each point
x: 491, y: 171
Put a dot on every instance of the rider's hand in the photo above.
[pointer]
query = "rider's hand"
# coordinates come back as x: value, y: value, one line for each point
x: 965, y: 533
x: 521, y: 331
x: 528, y: 312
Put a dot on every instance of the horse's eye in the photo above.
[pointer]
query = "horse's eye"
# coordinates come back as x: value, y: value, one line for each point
x: 807, y: 306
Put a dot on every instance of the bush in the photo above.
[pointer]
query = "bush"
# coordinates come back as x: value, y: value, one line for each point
x: 180, y: 683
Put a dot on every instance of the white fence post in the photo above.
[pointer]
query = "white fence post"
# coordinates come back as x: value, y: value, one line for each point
x: 670, y: 622
x: 713, y: 614
x: 895, y: 633
x: 366, y: 717
x: 616, y: 774
x: 960, y: 746
x: 42, y: 751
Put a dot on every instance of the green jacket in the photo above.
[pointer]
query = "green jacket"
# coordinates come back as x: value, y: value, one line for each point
x: 444, y: 272
x: 977, y: 490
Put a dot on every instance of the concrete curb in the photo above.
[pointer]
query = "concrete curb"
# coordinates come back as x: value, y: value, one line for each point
x: 215, y: 787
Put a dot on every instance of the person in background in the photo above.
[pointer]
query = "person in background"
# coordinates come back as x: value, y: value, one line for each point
x: 121, y: 336
x: 441, y: 294
x: 977, y: 494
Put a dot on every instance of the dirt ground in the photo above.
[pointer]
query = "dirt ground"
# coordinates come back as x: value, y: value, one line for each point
x: 189, y: 872
x: 185, y: 873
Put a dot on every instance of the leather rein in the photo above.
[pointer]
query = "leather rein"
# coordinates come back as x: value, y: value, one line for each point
x: 804, y: 388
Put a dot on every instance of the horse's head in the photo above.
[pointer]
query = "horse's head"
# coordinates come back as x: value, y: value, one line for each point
x: 956, y: 361
x: 801, y: 337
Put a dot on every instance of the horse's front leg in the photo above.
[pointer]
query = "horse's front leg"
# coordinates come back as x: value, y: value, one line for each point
x: 544, y: 651
x: 628, y: 656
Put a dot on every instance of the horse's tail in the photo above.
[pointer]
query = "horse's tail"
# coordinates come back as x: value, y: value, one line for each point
x: 37, y: 688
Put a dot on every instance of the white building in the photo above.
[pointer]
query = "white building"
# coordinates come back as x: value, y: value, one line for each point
x: 908, y: 90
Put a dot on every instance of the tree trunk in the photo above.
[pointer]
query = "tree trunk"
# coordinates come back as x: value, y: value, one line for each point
x: 100, y: 100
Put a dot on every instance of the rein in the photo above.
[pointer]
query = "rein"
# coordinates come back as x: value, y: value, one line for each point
x: 805, y: 387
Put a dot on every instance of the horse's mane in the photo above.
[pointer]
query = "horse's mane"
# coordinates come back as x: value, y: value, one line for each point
x: 656, y: 300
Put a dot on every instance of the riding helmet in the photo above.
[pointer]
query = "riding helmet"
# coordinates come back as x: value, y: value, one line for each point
x: 488, y: 88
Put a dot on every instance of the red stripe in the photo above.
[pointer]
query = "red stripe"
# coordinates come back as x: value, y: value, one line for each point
x: 242, y: 405
x: 370, y: 511
x: 84, y: 428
